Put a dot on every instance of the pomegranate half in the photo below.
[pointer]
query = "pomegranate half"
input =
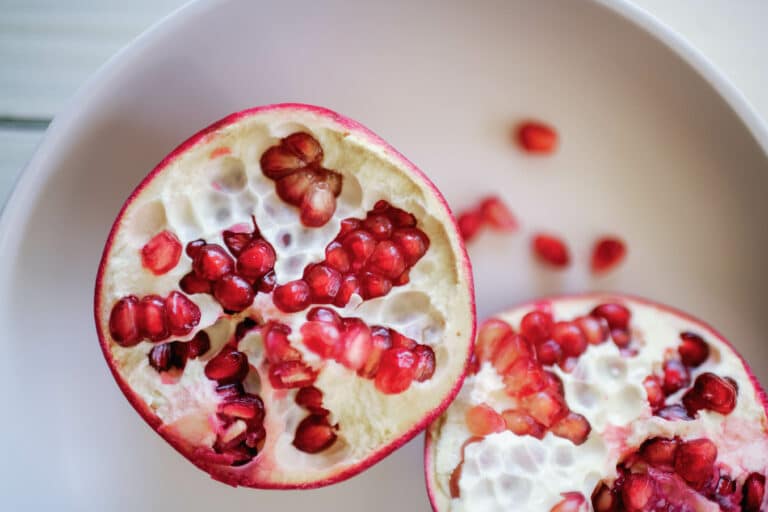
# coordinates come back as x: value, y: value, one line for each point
x: 605, y: 403
x: 285, y: 299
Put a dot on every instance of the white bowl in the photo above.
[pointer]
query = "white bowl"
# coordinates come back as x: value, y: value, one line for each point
x: 656, y: 147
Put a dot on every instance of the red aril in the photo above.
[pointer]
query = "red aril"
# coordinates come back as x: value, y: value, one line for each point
x: 281, y: 314
x: 497, y: 215
x: 551, y: 250
x: 607, y: 253
x: 537, y: 137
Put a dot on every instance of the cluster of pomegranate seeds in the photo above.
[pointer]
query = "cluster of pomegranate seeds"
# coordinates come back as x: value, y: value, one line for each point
x: 295, y: 164
x: 537, y: 137
x: 314, y: 433
x: 491, y: 212
x: 161, y: 253
x: 607, y: 253
x: 174, y: 355
x: 152, y: 317
x: 674, y: 474
x: 368, y: 257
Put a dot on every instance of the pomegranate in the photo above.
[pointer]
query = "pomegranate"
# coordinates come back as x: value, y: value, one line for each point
x: 275, y: 289
x: 663, y: 416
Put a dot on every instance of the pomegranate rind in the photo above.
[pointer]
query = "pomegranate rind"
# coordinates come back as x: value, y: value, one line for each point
x: 267, y: 476
x: 437, y: 487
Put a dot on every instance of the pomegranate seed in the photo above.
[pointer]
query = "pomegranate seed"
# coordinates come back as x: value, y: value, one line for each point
x: 230, y: 390
x: 198, y: 345
x: 402, y: 279
x: 545, y: 407
x: 753, y: 492
x: 349, y: 225
x: 323, y: 281
x: 495, y: 213
x: 397, y: 370
x: 291, y: 374
x: 616, y: 315
x: 359, y: 245
x: 725, y: 486
x: 380, y: 341
x: 400, y: 218
x: 305, y: 146
x: 425, y: 363
x: 674, y: 412
x: 594, y: 329
x: 572, y: 502
x: 276, y: 345
x: 694, y: 461
x: 318, y: 205
x: 279, y: 161
x: 167, y: 356
x: 620, y: 338
x: 123, y: 324
x: 386, y: 260
x: 247, y: 407
x: 181, y: 314
x: 324, y: 315
x: 227, y: 367
x: 321, y: 338
x: 551, y: 250
x: 293, y: 187
x: 292, y: 296
x: 656, y: 396
x: 400, y: 341
x: 489, y: 336
x: 256, y: 259
x: 537, y: 326
x: 511, y: 348
x: 549, y: 353
x: 607, y: 253
x: 236, y: 241
x: 212, y: 262
x: 483, y: 420
x: 469, y: 224
x: 413, y: 244
x: 710, y: 392
x: 191, y: 283
x: 193, y: 247
x: 660, y: 452
x: 374, y: 285
x: 676, y: 376
x: 573, y: 427
x: 537, y: 137
x: 161, y: 253
x: 233, y: 293
x: 267, y: 283
x: 693, y: 350
x: 336, y: 257
x: 310, y: 398
x: 570, y: 338
x: 638, y: 491
x: 151, y: 317
x: 378, y: 225
x: 356, y: 345
x: 524, y: 377
x: 553, y: 383
x: 349, y: 286
x: 522, y: 424
x: 314, y: 434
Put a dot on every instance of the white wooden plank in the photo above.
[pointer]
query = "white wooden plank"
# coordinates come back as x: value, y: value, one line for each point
x: 16, y: 148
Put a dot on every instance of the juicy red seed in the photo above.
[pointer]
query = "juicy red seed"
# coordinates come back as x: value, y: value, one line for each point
x: 247, y: 407
x: 676, y: 376
x: 267, y: 282
x: 545, y: 407
x: 594, y: 329
x: 310, y: 398
x: 693, y: 349
x: 753, y: 492
x: 674, y: 412
x: 483, y: 420
x: 537, y: 137
x: 620, y: 337
x: 397, y: 369
x: 511, y: 348
x: 321, y: 338
x: 292, y: 296
x: 161, y: 253
x: 570, y: 338
x: 400, y: 218
x: 198, y: 345
x: 324, y: 315
x: 191, y: 284
x: 491, y: 333
x: 413, y: 244
x: 616, y: 315
x: 305, y: 146
x: 356, y: 344
x: 725, y: 486
x: 151, y: 317
x: 293, y: 187
x: 549, y: 352
x: 349, y: 286
x: 314, y: 434
x: 291, y: 374
x: 710, y: 392
x: 374, y: 285
x: 537, y: 326
x: 495, y: 213
x: 256, y: 259
x: 469, y: 224
x: 181, y: 313
x: 378, y: 225
x: 524, y: 377
x: 638, y: 491
x: 553, y: 383
x: 227, y: 367
x: 659, y: 452
x: 425, y: 363
x: 336, y: 257
x: 653, y: 390
x: 694, y: 461
x: 573, y: 427
x: 381, y: 340
x: 276, y: 345
x: 400, y: 341
x: 522, y: 424
x: 230, y: 390
x: 167, y: 356
x: 323, y: 281
x: 212, y: 262
x: 572, y: 502
x: 359, y: 246
x: 123, y: 324
x: 551, y: 249
x: 607, y: 253
x: 233, y: 293
x: 349, y: 225
x: 236, y: 241
x: 278, y: 161
x: 318, y: 205
x: 193, y: 247
x: 386, y: 260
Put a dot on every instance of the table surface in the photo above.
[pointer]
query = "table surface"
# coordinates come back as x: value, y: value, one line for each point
x: 48, y: 48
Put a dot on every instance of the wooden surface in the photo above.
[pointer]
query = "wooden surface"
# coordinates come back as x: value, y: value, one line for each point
x: 49, y: 47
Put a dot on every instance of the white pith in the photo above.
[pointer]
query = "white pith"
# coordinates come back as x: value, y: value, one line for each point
x: 505, y: 470
x: 198, y: 196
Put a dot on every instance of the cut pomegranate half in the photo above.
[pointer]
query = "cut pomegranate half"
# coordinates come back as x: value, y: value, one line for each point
x: 285, y: 299
x: 655, y: 411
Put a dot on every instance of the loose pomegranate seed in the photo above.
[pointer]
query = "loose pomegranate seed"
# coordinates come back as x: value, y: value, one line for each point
x: 495, y: 213
x: 356, y: 345
x: 314, y: 434
x: 753, y: 492
x: 325, y: 315
x: 551, y: 250
x: 573, y: 427
x: 374, y: 285
x: 616, y: 315
x: 198, y: 345
x: 397, y: 369
x: 674, y: 412
x: 638, y: 492
x: 549, y: 353
x: 193, y: 247
x: 191, y: 284
x: 236, y: 241
x: 490, y: 334
x: 123, y: 322
x: 522, y: 424
x: 483, y: 420
x: 227, y: 367
x: 167, y: 356
x: 233, y: 293
x: 256, y: 259
x: 537, y: 137
x: 511, y: 348
x: 151, y: 318
x: 292, y: 296
x: 570, y: 338
x: 321, y: 338
x: 161, y: 253
x: 572, y: 502
x: 317, y: 205
x: 412, y: 242
x: 323, y: 281
x: 469, y: 224
x: 660, y: 452
x: 380, y: 341
x: 378, y: 225
x: 693, y: 349
x: 359, y: 245
x: 694, y: 461
x: 425, y: 363
x: 310, y: 398
x: 656, y: 396
x: 247, y: 407
x: 349, y: 286
x: 545, y: 407
x: 537, y: 326
x: 386, y: 260
x: 291, y: 374
x: 212, y: 262
x: 710, y: 392
x: 594, y: 329
x: 182, y: 315
x: 336, y: 257
x: 676, y: 376
x: 607, y: 253
x: 276, y: 345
